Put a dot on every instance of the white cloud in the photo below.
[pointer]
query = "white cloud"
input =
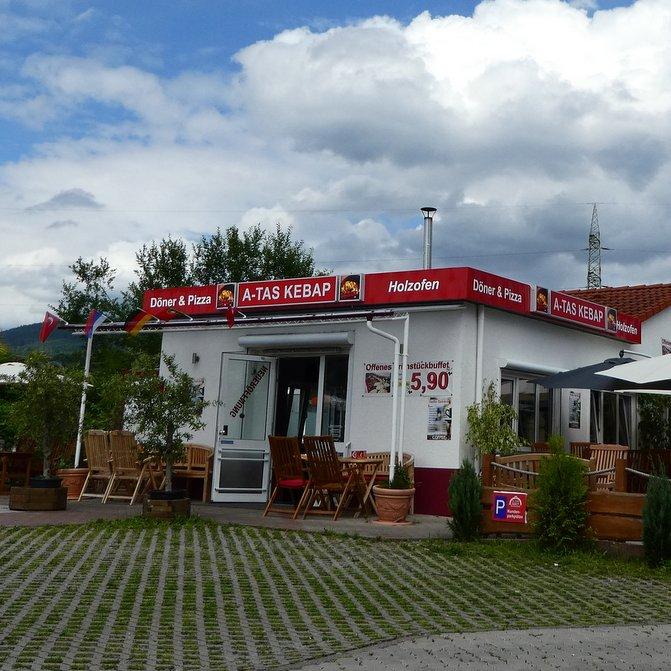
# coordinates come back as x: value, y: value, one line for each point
x: 510, y: 122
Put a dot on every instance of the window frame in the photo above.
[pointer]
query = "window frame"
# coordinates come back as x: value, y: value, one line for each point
x: 515, y: 377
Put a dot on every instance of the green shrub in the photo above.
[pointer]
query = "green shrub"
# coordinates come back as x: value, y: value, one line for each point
x: 464, y: 495
x: 556, y: 443
x: 401, y: 479
x: 490, y: 424
x: 657, y: 521
x: 559, y: 502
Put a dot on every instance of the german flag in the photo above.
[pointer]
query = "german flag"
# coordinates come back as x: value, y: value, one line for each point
x: 135, y: 323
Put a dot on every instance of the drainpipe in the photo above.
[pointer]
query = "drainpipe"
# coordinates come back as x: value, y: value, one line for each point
x: 394, y: 391
x: 479, y: 351
x: 404, y: 381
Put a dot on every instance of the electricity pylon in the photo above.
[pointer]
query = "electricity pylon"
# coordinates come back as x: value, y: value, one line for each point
x: 594, y: 253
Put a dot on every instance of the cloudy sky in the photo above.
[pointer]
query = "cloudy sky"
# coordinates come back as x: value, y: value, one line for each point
x: 340, y: 119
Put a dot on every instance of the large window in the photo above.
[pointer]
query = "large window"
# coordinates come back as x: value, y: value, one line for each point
x: 311, y: 396
x: 533, y: 404
x: 611, y: 418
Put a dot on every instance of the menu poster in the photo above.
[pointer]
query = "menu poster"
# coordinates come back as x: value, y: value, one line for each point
x: 574, y: 409
x: 439, y: 424
x: 666, y: 346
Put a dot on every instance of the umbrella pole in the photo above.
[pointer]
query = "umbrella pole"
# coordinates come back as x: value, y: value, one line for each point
x: 82, y: 405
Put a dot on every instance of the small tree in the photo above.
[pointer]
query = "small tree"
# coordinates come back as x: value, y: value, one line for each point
x: 657, y: 521
x: 465, y: 493
x: 47, y: 409
x: 164, y: 411
x: 560, y: 503
x: 490, y: 425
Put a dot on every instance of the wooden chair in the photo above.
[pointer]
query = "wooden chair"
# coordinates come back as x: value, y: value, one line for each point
x: 604, y: 457
x: 196, y: 466
x: 14, y: 469
x: 97, y: 450
x: 288, y: 471
x: 328, y: 478
x: 580, y: 449
x: 540, y: 448
x: 128, y: 466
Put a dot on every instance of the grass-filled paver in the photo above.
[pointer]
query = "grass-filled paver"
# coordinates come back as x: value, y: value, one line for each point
x: 138, y: 594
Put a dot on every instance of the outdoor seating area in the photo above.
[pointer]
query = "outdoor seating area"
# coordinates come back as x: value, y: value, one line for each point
x: 119, y: 470
x: 617, y: 479
x: 324, y: 482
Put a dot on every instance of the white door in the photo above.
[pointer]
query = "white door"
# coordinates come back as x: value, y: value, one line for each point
x: 244, y: 420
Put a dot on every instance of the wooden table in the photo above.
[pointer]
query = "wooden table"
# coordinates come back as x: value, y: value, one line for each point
x: 366, y: 488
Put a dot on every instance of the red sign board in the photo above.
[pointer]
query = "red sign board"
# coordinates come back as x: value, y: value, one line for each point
x: 276, y: 293
x: 577, y: 310
x: 190, y: 300
x: 416, y: 286
x: 499, y: 292
x: 628, y: 327
x: 509, y: 507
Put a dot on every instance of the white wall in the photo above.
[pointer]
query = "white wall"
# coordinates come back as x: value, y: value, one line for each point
x: 434, y: 335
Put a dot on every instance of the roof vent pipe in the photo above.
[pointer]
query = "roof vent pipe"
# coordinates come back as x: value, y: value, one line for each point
x: 428, y: 235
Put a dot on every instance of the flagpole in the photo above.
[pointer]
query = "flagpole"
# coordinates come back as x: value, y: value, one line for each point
x: 82, y: 406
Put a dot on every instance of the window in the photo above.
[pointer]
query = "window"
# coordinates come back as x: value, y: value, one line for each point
x: 533, y: 404
x: 311, y: 396
x: 611, y: 417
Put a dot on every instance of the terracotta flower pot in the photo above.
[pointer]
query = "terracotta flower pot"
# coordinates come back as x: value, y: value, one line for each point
x: 393, y: 505
x: 73, y: 479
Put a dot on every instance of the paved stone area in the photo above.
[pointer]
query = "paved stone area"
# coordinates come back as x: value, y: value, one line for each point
x: 425, y: 526
x: 595, y: 648
x: 132, y: 595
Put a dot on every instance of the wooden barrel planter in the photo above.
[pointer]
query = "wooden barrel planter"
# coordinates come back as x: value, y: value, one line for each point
x: 166, y: 505
x: 38, y: 498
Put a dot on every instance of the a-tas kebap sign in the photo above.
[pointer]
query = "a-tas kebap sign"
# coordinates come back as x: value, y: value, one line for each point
x: 397, y: 288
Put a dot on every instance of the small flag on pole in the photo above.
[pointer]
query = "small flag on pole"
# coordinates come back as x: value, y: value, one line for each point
x: 49, y: 325
x: 135, y: 323
x: 95, y: 319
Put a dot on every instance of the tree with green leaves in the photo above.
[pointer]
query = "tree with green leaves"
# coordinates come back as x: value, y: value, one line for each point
x: 159, y: 265
x: 163, y: 410
x: 47, y: 408
x: 490, y: 425
x: 92, y: 287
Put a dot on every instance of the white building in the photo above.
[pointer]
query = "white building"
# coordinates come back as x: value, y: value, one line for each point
x: 300, y: 360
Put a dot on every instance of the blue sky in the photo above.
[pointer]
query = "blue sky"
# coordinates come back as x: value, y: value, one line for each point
x: 123, y: 122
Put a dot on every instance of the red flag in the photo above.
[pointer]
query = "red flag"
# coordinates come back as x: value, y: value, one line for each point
x: 231, y: 311
x: 49, y: 325
x: 164, y: 314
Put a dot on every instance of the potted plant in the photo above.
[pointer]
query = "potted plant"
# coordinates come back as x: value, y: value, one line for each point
x: 46, y: 411
x: 71, y: 478
x: 393, y: 498
x: 164, y: 412
x: 490, y: 425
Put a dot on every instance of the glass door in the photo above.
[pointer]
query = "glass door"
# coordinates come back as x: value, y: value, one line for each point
x: 244, y: 420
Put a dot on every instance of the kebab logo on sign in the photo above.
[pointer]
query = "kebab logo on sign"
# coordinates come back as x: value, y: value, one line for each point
x: 350, y: 288
x: 509, y: 507
x: 225, y: 295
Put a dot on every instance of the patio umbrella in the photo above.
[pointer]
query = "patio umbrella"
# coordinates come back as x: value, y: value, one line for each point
x: 649, y: 372
x: 10, y: 371
x: 586, y: 377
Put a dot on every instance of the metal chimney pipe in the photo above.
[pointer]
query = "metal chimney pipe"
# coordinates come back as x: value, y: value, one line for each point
x: 428, y: 234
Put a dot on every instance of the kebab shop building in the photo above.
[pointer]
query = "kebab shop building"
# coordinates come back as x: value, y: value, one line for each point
x: 317, y: 356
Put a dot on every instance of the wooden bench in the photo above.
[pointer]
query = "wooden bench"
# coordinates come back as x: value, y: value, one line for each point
x: 604, y: 457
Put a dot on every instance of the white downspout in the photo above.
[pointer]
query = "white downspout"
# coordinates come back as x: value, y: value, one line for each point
x: 479, y: 351
x: 394, y: 391
x: 404, y: 380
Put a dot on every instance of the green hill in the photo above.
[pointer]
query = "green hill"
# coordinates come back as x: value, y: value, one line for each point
x: 23, y: 339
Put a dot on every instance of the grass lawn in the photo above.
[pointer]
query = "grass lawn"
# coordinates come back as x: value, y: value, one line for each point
x: 137, y: 594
